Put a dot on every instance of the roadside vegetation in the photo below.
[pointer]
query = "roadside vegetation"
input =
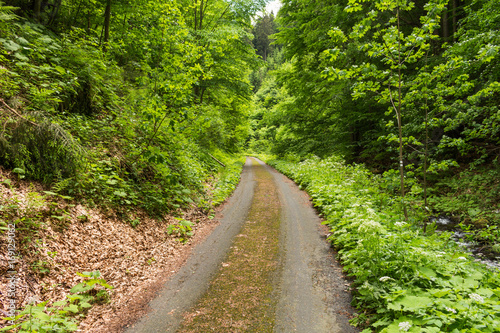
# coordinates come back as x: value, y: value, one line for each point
x: 406, y: 279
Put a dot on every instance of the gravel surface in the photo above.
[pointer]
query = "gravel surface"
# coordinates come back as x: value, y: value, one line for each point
x: 312, y: 293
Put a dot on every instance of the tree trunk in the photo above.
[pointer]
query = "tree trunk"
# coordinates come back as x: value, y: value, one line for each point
x: 37, y: 6
x: 400, y: 125
x: 88, y: 22
x: 454, y: 27
x: 195, y: 16
x: 201, y: 14
x: 107, y: 20
x: 55, y: 11
x: 446, y: 33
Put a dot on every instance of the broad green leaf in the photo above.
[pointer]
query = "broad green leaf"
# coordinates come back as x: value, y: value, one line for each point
x: 11, y: 46
x: 72, y: 307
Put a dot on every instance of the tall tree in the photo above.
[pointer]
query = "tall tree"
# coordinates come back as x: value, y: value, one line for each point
x: 263, y: 28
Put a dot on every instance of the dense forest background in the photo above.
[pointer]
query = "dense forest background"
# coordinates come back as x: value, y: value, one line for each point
x: 389, y: 84
x: 136, y: 103
x: 125, y: 102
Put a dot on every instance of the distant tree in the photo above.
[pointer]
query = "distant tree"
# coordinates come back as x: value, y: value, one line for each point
x: 262, y: 30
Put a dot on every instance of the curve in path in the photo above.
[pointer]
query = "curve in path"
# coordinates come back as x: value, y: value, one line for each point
x: 310, y: 293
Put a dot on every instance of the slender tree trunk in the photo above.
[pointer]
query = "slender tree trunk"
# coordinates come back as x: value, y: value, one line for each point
x: 88, y: 22
x: 401, y: 164
x: 454, y: 27
x: 107, y: 20
x: 201, y: 95
x: 195, y: 16
x: 55, y: 11
x: 77, y: 12
x: 201, y: 15
x: 123, y: 25
x: 446, y: 32
x: 37, y: 6
x: 426, y: 155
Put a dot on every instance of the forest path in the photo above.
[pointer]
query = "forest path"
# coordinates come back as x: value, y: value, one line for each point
x: 266, y: 268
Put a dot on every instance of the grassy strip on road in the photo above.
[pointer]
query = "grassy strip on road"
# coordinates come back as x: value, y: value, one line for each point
x: 241, y: 295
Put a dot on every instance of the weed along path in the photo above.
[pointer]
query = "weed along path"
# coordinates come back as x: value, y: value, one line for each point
x: 266, y: 268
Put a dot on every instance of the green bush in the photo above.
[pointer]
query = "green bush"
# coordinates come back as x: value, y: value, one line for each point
x: 44, y: 151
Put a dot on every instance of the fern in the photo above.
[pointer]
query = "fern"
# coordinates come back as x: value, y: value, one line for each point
x: 6, y: 15
x: 61, y: 185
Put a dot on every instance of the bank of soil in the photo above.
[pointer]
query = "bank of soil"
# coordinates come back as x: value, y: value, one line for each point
x: 135, y: 261
x: 266, y: 268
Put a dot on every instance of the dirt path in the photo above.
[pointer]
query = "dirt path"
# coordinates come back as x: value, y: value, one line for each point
x: 274, y: 273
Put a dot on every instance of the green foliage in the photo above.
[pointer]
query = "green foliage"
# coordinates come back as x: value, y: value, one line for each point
x: 473, y: 198
x: 403, y: 277
x: 182, y: 230
x: 130, y: 124
x: 62, y: 316
x: 44, y: 152
x: 227, y: 181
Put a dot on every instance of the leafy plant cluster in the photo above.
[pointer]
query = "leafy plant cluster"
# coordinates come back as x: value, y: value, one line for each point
x: 182, y: 230
x: 62, y: 316
x: 227, y: 181
x: 31, y: 211
x: 405, y: 279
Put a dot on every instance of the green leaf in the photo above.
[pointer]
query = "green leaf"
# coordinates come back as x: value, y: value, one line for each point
x: 60, y: 69
x: 50, y: 193
x: 60, y: 303
x: 81, y: 287
x: 11, y: 46
x: 85, y: 305
x: 41, y: 315
x: 120, y: 194
x: 72, y: 307
x: 19, y: 171
x: 410, y: 303
x: 21, y: 56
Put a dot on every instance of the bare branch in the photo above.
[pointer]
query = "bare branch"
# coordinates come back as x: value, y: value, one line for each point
x: 17, y: 113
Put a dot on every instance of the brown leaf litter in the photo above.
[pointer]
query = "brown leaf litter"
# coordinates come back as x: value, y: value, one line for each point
x: 135, y: 261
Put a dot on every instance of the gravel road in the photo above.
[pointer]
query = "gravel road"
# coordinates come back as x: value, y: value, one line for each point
x: 312, y: 293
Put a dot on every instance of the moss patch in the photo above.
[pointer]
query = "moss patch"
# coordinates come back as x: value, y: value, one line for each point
x: 240, y: 298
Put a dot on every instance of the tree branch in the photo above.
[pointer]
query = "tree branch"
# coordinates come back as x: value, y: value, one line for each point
x: 17, y: 113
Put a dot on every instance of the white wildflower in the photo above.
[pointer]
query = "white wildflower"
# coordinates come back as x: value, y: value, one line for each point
x: 404, y: 326
x: 400, y: 224
x: 385, y: 278
x: 439, y: 255
x: 476, y: 298
x: 462, y: 258
x: 450, y: 309
x: 370, y: 227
